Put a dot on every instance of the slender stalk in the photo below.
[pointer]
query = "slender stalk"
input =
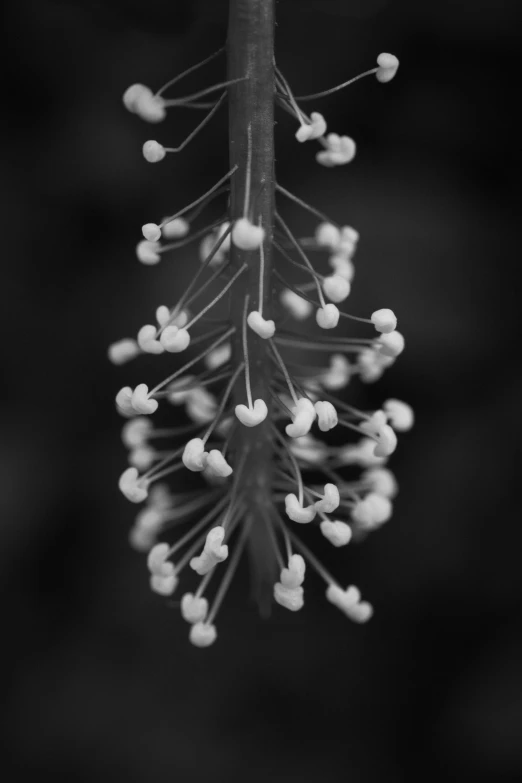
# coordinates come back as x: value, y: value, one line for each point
x: 250, y: 52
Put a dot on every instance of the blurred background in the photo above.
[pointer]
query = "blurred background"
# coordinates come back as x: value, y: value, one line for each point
x: 100, y: 680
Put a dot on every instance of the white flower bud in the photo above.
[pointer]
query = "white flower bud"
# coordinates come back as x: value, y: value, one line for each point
x: 337, y: 533
x: 260, y: 326
x: 176, y: 229
x: 123, y: 351
x: 217, y: 464
x: 327, y: 235
x: 391, y: 344
x: 141, y: 402
x: 400, y: 415
x: 147, y: 252
x: 136, y: 432
x: 163, y: 585
x: 219, y: 356
x: 327, y: 317
x: 157, y: 560
x: 336, y: 288
x: 194, y: 456
x: 193, y: 609
x: 388, y: 65
x: 297, y: 512
x: 387, y: 442
x: 303, y: 417
x: 147, y: 340
x: 131, y: 95
x: 384, y: 320
x: 202, y: 634
x: 326, y: 415
x: 312, y: 130
x: 151, y: 232
x: 251, y: 417
x: 330, y: 501
x: 297, y: 306
x: 380, y: 480
x: 124, y: 402
x: 134, y: 488
x: 214, y: 552
x: 149, y: 107
x: 289, y: 597
x: 175, y: 340
x: 246, y: 236
x: 293, y: 576
x: 153, y: 152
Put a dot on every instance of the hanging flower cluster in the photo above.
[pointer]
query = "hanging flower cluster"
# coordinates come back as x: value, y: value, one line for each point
x: 265, y: 464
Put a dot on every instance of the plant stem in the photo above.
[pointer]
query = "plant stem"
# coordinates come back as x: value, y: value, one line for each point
x: 250, y: 52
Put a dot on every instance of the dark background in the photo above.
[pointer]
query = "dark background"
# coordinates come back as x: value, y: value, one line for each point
x: 100, y: 681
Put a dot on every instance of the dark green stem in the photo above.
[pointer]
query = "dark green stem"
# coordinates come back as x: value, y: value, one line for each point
x: 250, y: 52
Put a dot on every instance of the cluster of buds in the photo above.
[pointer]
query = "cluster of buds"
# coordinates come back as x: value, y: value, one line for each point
x: 257, y: 422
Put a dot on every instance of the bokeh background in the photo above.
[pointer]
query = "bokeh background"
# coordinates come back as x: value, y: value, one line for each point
x: 100, y: 681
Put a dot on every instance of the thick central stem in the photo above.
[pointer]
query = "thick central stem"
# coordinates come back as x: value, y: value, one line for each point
x: 250, y: 50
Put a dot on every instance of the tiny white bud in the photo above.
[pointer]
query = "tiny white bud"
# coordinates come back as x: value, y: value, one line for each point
x: 293, y: 576
x: 388, y: 65
x: 219, y: 356
x: 175, y: 340
x: 141, y: 402
x: 327, y: 317
x: 203, y: 635
x: 330, y: 501
x: 175, y: 229
x: 149, y: 107
x: 289, y: 597
x: 338, y: 374
x: 297, y: 512
x: 326, y: 415
x: 131, y: 95
x: 194, y: 456
x: 342, y: 266
x: 214, y: 552
x: 162, y: 315
x: 147, y: 340
x: 134, y: 488
x: 153, y: 152
x: 218, y: 464
x: 380, y: 480
x: 147, y: 252
x: 123, y: 351
x: 400, y: 415
x: 136, y: 431
x: 260, y: 326
x: 374, y: 423
x: 151, y: 232
x: 312, y: 130
x: 304, y: 415
x: 163, y: 585
x: 337, y: 533
x: 384, y: 320
x: 124, y: 402
x: 246, y: 236
x: 142, y: 457
x: 387, y: 442
x: 327, y: 235
x: 336, y: 288
x: 297, y: 306
x: 157, y: 560
x: 391, y: 344
x: 251, y: 417
x: 193, y: 609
